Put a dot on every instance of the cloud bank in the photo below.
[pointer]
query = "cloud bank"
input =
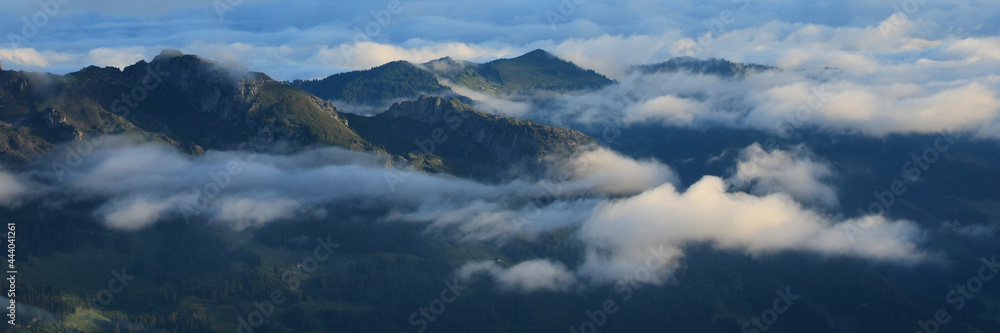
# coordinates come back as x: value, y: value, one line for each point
x: 926, y: 87
x: 11, y: 189
x: 618, y: 207
x: 527, y: 276
x: 620, y: 233
x: 777, y: 171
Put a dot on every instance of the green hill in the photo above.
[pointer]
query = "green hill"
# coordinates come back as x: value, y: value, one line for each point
x: 394, y: 80
x: 537, y: 69
x: 453, y: 136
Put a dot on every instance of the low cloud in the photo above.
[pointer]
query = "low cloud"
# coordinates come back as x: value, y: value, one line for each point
x: 244, y: 213
x: 364, y: 55
x: 528, y: 276
x: 972, y: 231
x: 30, y: 58
x: 142, y: 183
x: 491, y: 103
x: 795, y: 172
x: 11, y: 189
x: 611, y: 173
x: 668, y: 110
x: 132, y: 213
x: 619, y: 207
x: 620, y: 232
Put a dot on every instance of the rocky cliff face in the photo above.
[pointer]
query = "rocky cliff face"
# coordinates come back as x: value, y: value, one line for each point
x: 224, y: 106
x: 186, y: 100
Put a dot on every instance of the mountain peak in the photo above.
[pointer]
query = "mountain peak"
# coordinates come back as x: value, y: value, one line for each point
x: 378, y: 85
x: 403, y: 63
x: 539, y: 69
x: 169, y: 53
x: 447, y: 65
x: 538, y: 53
x: 183, y: 66
x: 396, y: 80
x: 171, y: 56
x: 711, y: 66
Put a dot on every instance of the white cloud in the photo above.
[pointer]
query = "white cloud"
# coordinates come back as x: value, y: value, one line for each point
x: 364, y: 55
x: 31, y: 58
x: 146, y: 183
x: 915, y: 81
x: 972, y: 231
x: 132, y: 213
x: 793, y: 172
x: 613, y: 55
x: 669, y: 110
x: 119, y: 58
x: 242, y: 213
x: 528, y: 276
x: 490, y: 103
x: 142, y: 184
x: 578, y: 181
x: 610, y: 172
x: 11, y: 189
x: 873, y: 88
x: 620, y: 232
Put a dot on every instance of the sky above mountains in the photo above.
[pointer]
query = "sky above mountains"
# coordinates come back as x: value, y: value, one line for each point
x: 311, y: 39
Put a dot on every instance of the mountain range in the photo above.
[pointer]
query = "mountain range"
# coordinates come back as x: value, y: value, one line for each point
x: 535, y: 70
x: 391, y: 267
x: 197, y: 104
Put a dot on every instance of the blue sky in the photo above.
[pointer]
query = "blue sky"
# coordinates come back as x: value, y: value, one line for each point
x: 307, y: 39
